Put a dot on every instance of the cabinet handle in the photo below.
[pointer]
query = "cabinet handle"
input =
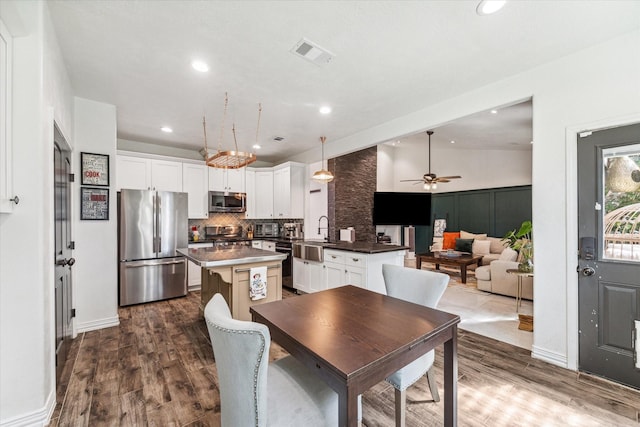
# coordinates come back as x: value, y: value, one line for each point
x: 15, y: 200
x: 355, y: 259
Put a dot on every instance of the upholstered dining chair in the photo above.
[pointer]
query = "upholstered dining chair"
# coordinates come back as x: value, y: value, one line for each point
x: 254, y: 392
x: 424, y: 288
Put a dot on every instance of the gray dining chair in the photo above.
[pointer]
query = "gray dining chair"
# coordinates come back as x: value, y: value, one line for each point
x: 424, y: 288
x: 254, y: 392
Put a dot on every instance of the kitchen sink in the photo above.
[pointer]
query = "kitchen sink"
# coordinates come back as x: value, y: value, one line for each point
x: 309, y: 251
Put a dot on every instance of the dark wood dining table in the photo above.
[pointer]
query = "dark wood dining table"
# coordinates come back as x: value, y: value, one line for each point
x: 353, y: 338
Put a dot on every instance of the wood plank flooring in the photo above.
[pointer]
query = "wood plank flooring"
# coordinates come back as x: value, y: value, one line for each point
x: 157, y: 369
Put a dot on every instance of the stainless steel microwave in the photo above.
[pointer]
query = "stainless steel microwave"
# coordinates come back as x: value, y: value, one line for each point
x: 227, y: 202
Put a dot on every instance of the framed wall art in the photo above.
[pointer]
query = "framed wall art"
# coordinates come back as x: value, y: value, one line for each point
x: 94, y: 203
x: 95, y: 169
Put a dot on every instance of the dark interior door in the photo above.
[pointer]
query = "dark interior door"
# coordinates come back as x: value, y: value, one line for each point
x: 63, y: 246
x: 609, y: 259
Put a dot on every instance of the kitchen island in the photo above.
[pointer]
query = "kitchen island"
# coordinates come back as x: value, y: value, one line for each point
x: 227, y: 270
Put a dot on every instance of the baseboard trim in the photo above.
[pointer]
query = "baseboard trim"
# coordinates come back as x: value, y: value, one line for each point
x: 195, y: 287
x: 549, y: 356
x: 37, y: 418
x: 98, y: 324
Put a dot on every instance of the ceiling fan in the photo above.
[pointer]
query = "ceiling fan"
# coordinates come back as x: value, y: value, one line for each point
x: 430, y: 180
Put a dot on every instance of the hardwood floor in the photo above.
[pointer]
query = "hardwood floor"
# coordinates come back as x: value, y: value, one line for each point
x: 157, y: 369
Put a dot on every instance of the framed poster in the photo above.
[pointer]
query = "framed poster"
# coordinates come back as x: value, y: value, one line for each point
x: 439, y: 225
x: 94, y: 203
x: 95, y: 169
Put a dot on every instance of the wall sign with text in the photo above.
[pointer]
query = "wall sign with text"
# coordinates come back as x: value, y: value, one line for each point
x: 95, y: 169
x: 94, y: 203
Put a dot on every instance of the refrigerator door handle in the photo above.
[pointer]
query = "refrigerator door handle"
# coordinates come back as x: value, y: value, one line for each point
x: 147, y: 264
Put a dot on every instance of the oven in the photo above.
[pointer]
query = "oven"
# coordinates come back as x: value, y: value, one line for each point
x: 285, y: 247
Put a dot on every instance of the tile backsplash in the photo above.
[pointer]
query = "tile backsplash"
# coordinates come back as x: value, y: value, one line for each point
x: 235, y: 219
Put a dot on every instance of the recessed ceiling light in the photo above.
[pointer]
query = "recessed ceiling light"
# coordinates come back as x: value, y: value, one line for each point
x: 494, y: 111
x: 487, y: 7
x: 200, y: 66
x: 452, y: 141
x: 166, y: 129
x: 256, y: 146
x: 325, y: 109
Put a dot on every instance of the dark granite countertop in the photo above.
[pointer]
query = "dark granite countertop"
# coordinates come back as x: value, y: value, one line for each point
x: 362, y: 247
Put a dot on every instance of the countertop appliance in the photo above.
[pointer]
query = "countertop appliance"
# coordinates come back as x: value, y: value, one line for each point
x: 151, y: 226
x: 222, y: 201
x: 225, y: 235
x: 292, y: 231
x: 267, y: 229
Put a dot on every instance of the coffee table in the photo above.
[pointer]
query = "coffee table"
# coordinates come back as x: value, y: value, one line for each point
x: 461, y: 260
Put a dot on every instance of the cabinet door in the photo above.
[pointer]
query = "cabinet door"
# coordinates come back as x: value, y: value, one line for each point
x: 281, y: 193
x: 194, y: 272
x: 166, y: 175
x: 217, y: 180
x: 250, y: 185
x: 300, y: 275
x: 315, y: 276
x: 133, y: 173
x: 264, y: 194
x: 335, y: 275
x: 356, y: 276
x: 236, y: 180
x: 195, y: 184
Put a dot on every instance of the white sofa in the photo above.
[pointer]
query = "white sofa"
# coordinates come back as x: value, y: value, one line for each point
x: 495, y: 279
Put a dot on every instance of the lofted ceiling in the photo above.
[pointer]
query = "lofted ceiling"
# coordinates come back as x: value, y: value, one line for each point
x: 391, y: 58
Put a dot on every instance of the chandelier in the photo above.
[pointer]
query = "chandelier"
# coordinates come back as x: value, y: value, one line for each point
x: 323, y: 175
x: 230, y: 159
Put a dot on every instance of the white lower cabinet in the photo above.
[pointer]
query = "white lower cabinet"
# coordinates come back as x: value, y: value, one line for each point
x: 308, y: 276
x: 358, y: 269
x: 194, y: 272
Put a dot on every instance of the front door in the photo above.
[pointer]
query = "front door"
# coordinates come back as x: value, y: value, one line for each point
x: 63, y: 246
x: 609, y: 258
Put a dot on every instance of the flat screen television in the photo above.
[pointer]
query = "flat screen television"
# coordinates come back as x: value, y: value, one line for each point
x: 401, y: 208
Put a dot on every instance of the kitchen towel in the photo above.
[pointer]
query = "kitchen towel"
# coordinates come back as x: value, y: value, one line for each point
x: 258, y: 283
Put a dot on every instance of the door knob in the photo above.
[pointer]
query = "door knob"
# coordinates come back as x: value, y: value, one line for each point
x: 588, y: 271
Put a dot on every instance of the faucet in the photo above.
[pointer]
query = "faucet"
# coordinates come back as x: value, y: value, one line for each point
x: 326, y: 228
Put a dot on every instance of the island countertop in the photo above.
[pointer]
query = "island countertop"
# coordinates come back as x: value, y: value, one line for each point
x: 219, y: 257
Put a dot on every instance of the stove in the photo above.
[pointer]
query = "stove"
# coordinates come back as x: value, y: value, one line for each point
x: 225, y: 235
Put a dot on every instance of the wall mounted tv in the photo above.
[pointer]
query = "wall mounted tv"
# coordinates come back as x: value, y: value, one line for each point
x: 401, y: 208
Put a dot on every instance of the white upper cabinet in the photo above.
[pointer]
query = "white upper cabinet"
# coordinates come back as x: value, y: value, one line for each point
x: 227, y: 180
x: 250, y: 202
x: 195, y: 183
x: 139, y: 173
x: 288, y: 191
x: 264, y: 194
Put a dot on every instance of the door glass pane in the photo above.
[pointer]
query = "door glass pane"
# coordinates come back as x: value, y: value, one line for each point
x: 621, y: 213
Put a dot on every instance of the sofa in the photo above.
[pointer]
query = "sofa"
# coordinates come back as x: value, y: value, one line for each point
x: 497, y: 258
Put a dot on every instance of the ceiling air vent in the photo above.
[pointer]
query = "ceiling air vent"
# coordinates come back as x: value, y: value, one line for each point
x: 312, y: 52
x: 278, y: 138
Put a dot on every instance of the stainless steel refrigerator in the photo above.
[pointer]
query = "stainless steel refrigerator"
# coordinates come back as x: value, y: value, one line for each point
x: 151, y: 226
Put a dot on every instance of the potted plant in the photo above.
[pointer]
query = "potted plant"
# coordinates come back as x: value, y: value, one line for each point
x: 521, y: 240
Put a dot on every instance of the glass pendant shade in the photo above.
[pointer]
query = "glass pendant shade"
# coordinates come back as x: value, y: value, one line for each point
x: 323, y: 176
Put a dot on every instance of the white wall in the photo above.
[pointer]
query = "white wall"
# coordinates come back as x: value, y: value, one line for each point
x: 315, y: 204
x: 40, y: 93
x: 95, y: 271
x: 599, y: 85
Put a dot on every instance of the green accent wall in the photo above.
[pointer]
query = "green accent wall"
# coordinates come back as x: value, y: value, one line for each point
x: 494, y: 211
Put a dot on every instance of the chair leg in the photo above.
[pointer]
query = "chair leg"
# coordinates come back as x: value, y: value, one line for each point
x: 401, y: 406
x: 433, y: 387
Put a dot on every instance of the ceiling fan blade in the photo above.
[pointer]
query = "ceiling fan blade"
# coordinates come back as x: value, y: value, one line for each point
x: 449, y: 177
x: 411, y: 180
x: 442, y: 180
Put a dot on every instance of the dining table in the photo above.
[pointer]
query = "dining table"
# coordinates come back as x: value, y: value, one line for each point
x: 353, y: 338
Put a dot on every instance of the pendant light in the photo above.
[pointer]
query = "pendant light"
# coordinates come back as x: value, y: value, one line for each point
x: 323, y: 176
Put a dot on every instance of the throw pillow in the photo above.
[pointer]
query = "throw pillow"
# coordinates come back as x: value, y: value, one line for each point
x: 481, y: 247
x: 437, y: 244
x: 464, y: 245
x: 497, y: 245
x: 508, y: 255
x: 467, y: 235
x: 449, y: 239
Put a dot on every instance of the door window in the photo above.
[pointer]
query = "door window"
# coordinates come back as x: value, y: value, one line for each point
x: 621, y: 213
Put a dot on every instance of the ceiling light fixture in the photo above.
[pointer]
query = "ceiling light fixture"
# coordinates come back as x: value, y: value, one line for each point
x: 325, y: 109
x: 200, y: 66
x: 452, y: 141
x: 256, y: 146
x: 429, y: 180
x: 166, y: 129
x: 229, y: 159
x: 494, y: 111
x: 487, y: 7
x: 323, y: 176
